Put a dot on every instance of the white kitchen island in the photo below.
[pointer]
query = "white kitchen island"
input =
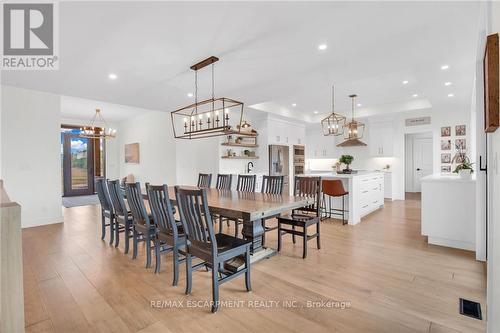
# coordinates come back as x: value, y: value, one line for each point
x: 366, y: 192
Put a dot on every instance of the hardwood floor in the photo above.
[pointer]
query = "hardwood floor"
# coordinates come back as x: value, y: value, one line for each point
x: 383, y: 268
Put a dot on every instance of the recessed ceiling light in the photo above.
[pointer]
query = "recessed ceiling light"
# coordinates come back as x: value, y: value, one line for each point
x: 322, y: 47
x: 450, y: 95
x: 112, y: 76
x: 316, y: 112
x: 294, y: 104
x: 415, y: 95
x: 190, y: 95
x: 444, y: 67
x: 359, y: 105
x: 405, y: 82
x: 447, y: 83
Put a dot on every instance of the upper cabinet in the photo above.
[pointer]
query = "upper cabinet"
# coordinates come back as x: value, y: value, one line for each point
x: 285, y: 133
x: 381, y: 139
x: 320, y: 146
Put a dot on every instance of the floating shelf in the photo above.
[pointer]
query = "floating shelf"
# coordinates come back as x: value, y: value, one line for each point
x: 246, y: 145
x: 240, y: 157
x: 252, y: 135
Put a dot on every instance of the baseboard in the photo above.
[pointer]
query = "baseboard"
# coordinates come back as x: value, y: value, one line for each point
x: 451, y: 243
x: 30, y: 223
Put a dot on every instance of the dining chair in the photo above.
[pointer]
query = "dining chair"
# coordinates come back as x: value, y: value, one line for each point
x: 223, y: 182
x: 143, y: 227
x: 170, y: 232
x: 202, y: 242
x: 107, y: 210
x: 204, y: 180
x: 303, y: 217
x: 123, y: 217
x: 271, y: 185
x: 246, y: 183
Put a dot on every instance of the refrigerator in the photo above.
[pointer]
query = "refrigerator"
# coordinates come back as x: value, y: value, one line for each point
x: 279, y: 164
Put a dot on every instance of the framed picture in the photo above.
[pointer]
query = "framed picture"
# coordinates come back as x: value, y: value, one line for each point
x: 132, y: 153
x: 460, y: 130
x: 446, y: 158
x: 446, y: 131
x: 445, y: 144
x: 446, y: 168
x: 491, y: 83
x: 460, y: 144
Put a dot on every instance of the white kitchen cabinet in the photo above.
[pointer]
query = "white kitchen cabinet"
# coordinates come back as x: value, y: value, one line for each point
x: 320, y: 146
x: 388, y: 192
x: 381, y: 139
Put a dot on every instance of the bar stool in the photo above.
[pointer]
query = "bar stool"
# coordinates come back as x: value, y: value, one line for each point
x: 334, y: 188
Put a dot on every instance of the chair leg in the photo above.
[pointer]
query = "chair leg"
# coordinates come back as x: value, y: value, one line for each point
x: 293, y: 235
x: 157, y: 256
x: 134, y: 251
x: 329, y: 207
x: 220, y: 225
x: 236, y: 228
x: 343, y: 211
x: 215, y: 288
x: 189, y: 271
x: 279, y: 235
x: 304, y: 241
x: 127, y: 236
x: 103, y: 226
x: 264, y: 234
x: 247, y: 273
x: 176, y: 265
x: 117, y: 234
x: 318, y: 241
x: 148, y: 250
x: 113, y: 226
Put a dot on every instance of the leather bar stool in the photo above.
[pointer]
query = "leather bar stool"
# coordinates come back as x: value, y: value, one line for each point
x: 334, y: 188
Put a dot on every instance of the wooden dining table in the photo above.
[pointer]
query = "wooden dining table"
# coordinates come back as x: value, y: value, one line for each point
x: 251, y: 207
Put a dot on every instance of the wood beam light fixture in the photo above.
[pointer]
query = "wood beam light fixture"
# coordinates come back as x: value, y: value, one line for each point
x: 209, y: 117
x: 333, y: 125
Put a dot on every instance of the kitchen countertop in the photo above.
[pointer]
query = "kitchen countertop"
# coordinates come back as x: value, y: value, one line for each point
x: 331, y: 174
x: 447, y: 178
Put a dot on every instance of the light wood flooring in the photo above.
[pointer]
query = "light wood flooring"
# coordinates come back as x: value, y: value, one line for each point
x: 394, y: 281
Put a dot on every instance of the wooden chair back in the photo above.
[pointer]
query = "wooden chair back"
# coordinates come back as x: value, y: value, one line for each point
x: 309, y: 187
x: 136, y: 204
x: 272, y: 185
x: 103, y: 195
x: 204, y: 180
x: 117, y: 200
x: 246, y: 183
x: 161, y: 209
x: 223, y: 182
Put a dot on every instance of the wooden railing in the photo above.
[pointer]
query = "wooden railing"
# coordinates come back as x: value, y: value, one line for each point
x: 11, y: 266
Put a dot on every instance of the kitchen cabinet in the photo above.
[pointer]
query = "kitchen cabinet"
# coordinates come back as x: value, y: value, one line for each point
x: 320, y: 146
x: 381, y: 139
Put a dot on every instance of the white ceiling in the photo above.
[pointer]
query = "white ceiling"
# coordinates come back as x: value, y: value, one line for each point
x: 268, y: 51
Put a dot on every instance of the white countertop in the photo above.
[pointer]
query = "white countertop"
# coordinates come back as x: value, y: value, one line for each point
x: 331, y: 174
x: 447, y: 178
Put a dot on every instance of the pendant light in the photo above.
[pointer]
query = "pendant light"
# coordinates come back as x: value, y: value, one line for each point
x: 97, y: 128
x: 333, y: 125
x: 353, y: 130
x: 210, y: 117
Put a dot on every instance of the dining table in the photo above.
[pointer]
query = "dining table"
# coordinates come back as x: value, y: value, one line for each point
x: 251, y: 208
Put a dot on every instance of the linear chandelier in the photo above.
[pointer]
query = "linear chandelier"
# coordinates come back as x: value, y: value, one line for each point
x: 97, y: 128
x: 210, y: 117
x: 333, y: 125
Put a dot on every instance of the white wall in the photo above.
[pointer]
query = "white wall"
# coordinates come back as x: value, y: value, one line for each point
x: 31, y: 164
x: 156, y: 144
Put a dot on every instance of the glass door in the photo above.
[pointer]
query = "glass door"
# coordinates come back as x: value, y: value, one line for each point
x: 78, y: 165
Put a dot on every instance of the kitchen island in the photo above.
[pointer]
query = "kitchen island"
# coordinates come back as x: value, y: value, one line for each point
x: 366, y: 192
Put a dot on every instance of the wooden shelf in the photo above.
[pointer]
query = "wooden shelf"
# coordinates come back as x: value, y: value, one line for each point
x: 251, y: 135
x: 246, y: 145
x: 240, y: 157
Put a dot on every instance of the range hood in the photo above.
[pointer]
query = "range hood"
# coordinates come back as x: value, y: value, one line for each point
x: 352, y: 143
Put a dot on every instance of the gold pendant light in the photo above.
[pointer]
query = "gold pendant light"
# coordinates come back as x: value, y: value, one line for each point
x: 353, y: 130
x: 333, y: 125
x: 97, y: 128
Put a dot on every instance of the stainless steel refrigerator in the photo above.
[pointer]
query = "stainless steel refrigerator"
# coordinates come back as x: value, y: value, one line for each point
x: 279, y: 164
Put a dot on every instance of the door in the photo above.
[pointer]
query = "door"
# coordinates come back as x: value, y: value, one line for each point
x: 422, y: 161
x: 78, y: 165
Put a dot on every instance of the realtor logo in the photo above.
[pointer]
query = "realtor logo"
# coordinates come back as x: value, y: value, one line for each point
x: 29, y: 36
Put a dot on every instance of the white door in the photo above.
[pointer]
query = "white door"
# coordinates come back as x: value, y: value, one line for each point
x: 422, y: 161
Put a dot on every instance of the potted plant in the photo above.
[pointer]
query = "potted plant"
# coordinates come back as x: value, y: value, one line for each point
x: 464, y: 166
x: 347, y: 160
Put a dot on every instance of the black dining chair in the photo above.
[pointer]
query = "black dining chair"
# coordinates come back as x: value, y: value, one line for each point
x: 144, y: 228
x: 303, y: 217
x: 204, y: 180
x: 223, y: 182
x: 170, y: 232
x: 107, y: 210
x: 203, y: 243
x: 246, y: 183
x: 123, y: 217
x: 271, y: 185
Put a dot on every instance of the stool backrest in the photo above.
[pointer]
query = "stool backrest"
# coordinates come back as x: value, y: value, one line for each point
x: 246, y: 183
x: 272, y: 185
x: 333, y: 187
x: 204, y: 180
x: 309, y: 187
x: 196, y: 219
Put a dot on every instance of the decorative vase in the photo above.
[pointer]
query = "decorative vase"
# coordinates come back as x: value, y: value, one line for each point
x: 465, y: 174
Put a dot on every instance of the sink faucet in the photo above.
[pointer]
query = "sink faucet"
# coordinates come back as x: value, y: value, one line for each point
x: 248, y: 167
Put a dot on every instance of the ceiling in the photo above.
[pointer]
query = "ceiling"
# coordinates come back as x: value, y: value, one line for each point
x: 268, y: 52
